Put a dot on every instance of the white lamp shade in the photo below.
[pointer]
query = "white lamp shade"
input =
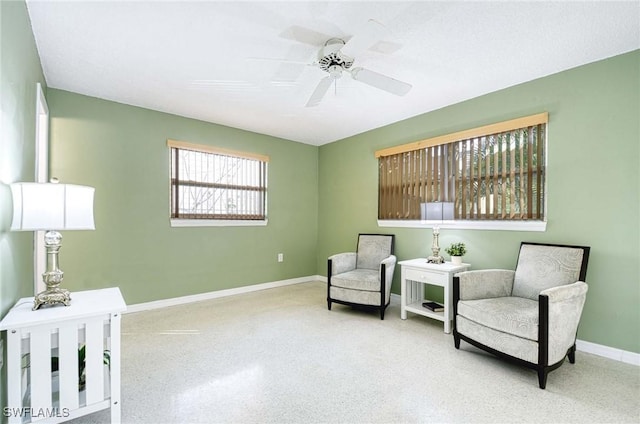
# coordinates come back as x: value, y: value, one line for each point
x: 50, y: 206
x: 437, y: 211
x: 447, y: 211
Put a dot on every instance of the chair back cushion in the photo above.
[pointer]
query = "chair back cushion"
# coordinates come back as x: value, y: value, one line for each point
x: 542, y: 267
x: 372, y: 249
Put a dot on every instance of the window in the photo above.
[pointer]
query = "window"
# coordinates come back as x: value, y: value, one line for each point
x: 495, y: 172
x: 217, y: 184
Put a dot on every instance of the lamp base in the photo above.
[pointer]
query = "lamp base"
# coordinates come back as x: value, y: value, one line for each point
x: 52, y: 297
x: 435, y: 260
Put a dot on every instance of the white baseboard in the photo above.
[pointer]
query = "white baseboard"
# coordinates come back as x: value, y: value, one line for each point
x: 157, y: 304
x: 609, y: 352
x: 581, y: 345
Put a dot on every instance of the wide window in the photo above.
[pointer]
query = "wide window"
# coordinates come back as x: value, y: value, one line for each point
x: 495, y: 173
x: 216, y: 184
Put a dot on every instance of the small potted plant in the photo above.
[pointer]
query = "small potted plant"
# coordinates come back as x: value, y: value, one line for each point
x: 82, y: 364
x: 457, y: 251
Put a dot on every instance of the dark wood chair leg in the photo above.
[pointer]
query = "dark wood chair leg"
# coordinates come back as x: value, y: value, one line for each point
x: 542, y: 378
x: 572, y: 354
x: 456, y: 341
x: 329, y: 269
x: 382, y: 313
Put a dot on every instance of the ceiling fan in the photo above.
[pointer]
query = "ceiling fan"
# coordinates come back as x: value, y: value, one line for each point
x: 337, y: 57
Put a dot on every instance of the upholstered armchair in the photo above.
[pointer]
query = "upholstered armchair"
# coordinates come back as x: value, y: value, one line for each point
x: 363, y: 278
x: 528, y: 316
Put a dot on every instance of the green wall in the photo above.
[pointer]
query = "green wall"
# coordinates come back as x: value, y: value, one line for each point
x: 20, y: 70
x: 593, y: 186
x: 19, y: 73
x: 121, y: 151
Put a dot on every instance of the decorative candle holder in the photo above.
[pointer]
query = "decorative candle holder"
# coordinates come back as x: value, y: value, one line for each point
x: 435, y: 248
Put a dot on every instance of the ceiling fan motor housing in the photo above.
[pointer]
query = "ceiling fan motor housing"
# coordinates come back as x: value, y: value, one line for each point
x: 331, y: 60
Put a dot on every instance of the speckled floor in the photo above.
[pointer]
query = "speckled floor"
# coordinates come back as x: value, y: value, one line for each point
x: 279, y: 356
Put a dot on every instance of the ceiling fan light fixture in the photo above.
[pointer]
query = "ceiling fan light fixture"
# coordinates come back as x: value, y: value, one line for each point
x: 335, y: 71
x: 331, y: 57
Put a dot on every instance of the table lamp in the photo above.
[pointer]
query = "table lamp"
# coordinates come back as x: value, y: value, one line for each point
x: 51, y: 207
x: 436, y: 211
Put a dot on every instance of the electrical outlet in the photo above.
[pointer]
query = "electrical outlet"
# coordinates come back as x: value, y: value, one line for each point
x: 280, y: 257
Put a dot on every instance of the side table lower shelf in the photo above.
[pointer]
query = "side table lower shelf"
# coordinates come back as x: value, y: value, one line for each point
x: 418, y: 309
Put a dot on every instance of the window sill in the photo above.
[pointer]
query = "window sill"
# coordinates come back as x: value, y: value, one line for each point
x: 217, y: 223
x: 539, y: 226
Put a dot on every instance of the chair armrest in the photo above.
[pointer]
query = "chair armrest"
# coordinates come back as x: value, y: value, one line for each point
x: 485, y: 283
x: 342, y: 262
x: 389, y: 261
x: 389, y: 267
x: 566, y: 293
x: 390, y: 264
x: 565, y: 304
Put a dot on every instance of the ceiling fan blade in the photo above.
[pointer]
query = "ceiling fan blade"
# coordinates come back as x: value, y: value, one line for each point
x: 304, y: 35
x: 380, y: 81
x: 320, y: 91
x: 370, y: 34
x: 278, y: 60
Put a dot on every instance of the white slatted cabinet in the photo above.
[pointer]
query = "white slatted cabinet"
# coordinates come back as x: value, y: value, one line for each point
x: 37, y: 394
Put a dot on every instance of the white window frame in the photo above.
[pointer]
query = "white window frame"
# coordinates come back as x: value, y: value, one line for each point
x: 197, y: 222
x: 538, y: 226
x: 41, y: 176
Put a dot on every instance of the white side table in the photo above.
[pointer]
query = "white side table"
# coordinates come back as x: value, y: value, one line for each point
x: 34, y: 392
x: 415, y: 274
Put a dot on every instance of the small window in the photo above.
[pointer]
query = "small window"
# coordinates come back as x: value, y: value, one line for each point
x: 492, y: 173
x: 208, y: 183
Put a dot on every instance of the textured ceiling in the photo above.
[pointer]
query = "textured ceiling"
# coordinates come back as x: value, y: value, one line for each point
x: 242, y: 64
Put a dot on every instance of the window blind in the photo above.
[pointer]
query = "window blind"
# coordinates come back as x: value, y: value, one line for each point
x: 495, y: 172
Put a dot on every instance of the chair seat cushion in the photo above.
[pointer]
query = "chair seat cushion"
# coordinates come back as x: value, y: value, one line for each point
x: 360, y: 297
x: 358, y: 279
x: 518, y: 347
x: 511, y: 315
